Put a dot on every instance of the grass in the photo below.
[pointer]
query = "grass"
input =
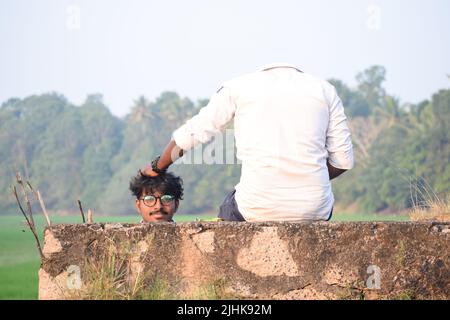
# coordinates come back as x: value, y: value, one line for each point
x: 432, y: 208
x: 20, y: 280
x: 352, y: 217
x: 19, y: 258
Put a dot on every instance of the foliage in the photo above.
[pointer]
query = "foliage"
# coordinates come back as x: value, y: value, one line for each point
x: 84, y: 152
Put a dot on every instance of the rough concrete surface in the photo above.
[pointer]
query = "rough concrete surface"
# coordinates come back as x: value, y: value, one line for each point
x: 234, y: 260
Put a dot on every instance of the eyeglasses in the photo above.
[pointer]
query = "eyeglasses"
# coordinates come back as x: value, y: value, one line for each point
x: 150, y: 200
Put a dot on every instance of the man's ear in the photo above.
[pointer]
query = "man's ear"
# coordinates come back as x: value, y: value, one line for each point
x: 138, y: 207
x: 177, y: 203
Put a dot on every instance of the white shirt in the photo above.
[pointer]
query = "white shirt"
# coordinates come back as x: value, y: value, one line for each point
x: 286, y: 124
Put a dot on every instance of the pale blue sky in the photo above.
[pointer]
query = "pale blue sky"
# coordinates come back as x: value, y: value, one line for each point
x: 124, y: 49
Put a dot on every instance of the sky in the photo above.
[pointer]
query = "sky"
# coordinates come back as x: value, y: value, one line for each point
x: 125, y: 49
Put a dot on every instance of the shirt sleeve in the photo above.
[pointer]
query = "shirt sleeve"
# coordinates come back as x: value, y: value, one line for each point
x: 338, y: 141
x: 210, y: 120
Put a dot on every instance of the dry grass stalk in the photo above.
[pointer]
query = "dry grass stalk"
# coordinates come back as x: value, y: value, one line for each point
x: 81, y: 210
x: 25, y: 197
x: 30, y: 224
x: 41, y: 203
x: 89, y: 216
x: 106, y: 276
x: 431, y: 209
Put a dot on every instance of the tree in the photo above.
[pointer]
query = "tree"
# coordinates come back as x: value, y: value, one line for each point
x: 370, y: 85
x: 85, y: 152
x: 354, y: 102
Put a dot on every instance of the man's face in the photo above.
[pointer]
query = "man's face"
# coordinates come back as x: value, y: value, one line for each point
x: 157, y: 210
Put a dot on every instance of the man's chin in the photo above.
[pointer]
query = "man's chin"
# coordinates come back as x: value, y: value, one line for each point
x: 158, y: 217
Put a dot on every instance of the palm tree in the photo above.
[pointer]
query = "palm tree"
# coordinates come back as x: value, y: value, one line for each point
x: 140, y: 110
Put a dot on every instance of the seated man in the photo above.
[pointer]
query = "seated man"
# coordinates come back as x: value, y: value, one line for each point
x: 157, y: 198
x: 291, y: 135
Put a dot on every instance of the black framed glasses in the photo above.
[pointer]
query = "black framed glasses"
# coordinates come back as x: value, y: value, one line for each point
x: 150, y: 200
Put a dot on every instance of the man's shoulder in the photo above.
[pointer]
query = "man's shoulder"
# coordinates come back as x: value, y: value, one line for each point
x: 241, y: 79
x: 317, y: 84
x: 317, y: 80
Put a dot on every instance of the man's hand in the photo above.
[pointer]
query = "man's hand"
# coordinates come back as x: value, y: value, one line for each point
x: 147, y: 171
x: 170, y: 154
x: 334, y: 172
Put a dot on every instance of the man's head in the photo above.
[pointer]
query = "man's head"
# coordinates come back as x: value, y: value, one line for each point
x: 157, y: 198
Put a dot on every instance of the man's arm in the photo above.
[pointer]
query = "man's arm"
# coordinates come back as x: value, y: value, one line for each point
x: 334, y: 172
x: 338, y: 140
x: 200, y: 129
x: 171, y: 153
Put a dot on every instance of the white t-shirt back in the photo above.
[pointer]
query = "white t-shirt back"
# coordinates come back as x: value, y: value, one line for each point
x: 287, y: 123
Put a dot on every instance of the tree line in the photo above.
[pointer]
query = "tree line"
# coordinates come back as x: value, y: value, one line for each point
x: 84, y: 152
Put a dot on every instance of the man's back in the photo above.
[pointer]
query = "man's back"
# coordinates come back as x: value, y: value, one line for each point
x: 287, y: 123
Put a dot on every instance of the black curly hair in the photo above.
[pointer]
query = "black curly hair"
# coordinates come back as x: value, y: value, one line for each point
x: 166, y: 183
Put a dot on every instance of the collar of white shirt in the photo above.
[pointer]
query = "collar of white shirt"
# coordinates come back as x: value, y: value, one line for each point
x: 279, y: 65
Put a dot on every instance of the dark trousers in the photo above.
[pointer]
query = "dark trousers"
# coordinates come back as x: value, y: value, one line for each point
x: 331, y: 214
x: 229, y: 210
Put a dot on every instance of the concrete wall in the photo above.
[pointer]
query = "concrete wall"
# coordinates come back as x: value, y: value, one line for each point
x: 324, y: 260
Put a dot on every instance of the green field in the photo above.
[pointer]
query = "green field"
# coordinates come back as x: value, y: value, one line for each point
x: 19, y: 258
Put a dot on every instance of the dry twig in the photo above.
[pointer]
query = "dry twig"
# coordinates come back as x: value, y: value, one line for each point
x: 89, y: 216
x: 25, y: 197
x: 41, y: 203
x: 30, y: 224
x: 81, y: 210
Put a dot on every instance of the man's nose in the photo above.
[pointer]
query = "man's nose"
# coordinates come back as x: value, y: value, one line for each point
x: 157, y: 204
